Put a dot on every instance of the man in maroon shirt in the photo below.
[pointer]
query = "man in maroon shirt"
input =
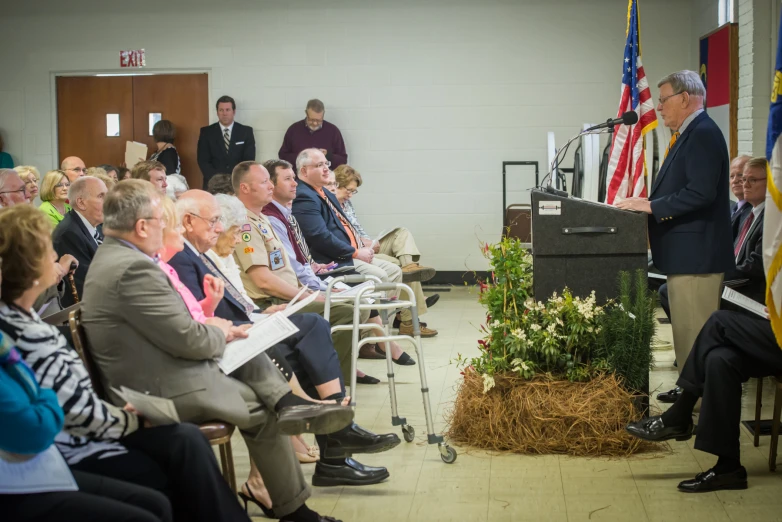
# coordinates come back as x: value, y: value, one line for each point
x: 314, y: 133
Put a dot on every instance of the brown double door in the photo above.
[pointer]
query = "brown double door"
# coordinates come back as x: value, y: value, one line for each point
x: 97, y: 115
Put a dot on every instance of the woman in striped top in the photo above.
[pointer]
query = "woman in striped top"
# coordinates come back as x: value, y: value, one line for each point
x: 99, y: 437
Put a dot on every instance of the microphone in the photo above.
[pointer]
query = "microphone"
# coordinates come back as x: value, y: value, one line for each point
x: 628, y: 118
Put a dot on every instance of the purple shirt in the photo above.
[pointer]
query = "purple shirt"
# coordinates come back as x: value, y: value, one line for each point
x: 299, y: 137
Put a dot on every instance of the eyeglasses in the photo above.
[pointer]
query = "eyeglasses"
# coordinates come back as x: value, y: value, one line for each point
x: 23, y: 189
x: 751, y: 181
x: 79, y: 169
x: 320, y: 165
x: 212, y: 222
x: 663, y: 100
x: 352, y: 192
x: 62, y: 185
x: 331, y: 184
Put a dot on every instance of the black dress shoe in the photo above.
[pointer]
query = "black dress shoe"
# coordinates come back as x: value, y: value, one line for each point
x: 319, y: 419
x: 432, y: 300
x: 351, y: 473
x: 355, y: 439
x: 402, y: 360
x: 654, y: 430
x: 367, y: 379
x: 670, y: 396
x: 711, y: 481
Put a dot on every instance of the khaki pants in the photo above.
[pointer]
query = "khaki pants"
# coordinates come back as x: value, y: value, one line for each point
x: 399, y: 243
x: 420, y: 298
x: 386, y: 271
x: 693, y: 298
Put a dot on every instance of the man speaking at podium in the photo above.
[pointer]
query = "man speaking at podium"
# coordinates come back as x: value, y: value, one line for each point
x: 689, y: 212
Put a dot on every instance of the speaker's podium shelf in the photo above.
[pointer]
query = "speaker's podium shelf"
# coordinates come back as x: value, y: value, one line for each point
x: 583, y: 245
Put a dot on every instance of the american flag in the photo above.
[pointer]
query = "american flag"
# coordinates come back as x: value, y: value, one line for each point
x: 627, y: 161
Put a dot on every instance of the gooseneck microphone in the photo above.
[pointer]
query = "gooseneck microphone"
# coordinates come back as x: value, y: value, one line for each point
x: 628, y: 118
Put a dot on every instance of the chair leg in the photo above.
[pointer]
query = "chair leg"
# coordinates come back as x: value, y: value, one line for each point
x: 772, y: 454
x: 758, y: 405
x: 230, y: 472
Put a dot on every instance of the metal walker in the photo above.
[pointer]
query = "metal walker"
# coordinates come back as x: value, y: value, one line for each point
x: 383, y: 305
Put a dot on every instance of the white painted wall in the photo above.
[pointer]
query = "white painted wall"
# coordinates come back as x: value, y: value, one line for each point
x: 431, y: 96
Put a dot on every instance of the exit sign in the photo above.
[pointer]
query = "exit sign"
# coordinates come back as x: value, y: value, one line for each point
x: 133, y: 58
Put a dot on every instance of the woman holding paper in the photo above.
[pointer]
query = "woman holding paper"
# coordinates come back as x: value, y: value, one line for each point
x: 99, y: 437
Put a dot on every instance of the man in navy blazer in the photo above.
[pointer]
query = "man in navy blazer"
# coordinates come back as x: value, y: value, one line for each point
x: 310, y: 351
x: 79, y: 233
x: 689, y: 212
x: 224, y: 144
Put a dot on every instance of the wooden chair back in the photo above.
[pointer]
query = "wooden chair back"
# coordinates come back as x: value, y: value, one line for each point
x: 82, y: 348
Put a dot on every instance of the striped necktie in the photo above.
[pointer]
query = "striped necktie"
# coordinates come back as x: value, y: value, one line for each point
x: 248, y: 307
x: 98, y: 237
x: 670, y: 144
x: 299, y: 237
x: 227, y: 139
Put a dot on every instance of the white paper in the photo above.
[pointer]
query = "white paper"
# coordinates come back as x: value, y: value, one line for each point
x: 652, y: 275
x: 45, y: 472
x: 262, y: 335
x: 296, y: 297
x: 255, y: 317
x: 156, y: 410
x: 292, y: 309
x: 134, y: 153
x: 744, y: 302
x: 384, y: 234
x: 349, y: 291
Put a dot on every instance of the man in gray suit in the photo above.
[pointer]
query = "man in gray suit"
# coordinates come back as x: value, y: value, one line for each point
x: 143, y: 337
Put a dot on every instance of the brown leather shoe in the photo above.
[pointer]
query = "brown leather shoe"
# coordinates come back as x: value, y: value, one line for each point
x: 415, y: 272
x: 406, y: 328
x: 368, y: 351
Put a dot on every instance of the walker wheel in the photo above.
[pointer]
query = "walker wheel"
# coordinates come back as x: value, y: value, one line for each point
x: 448, y: 454
x: 408, y: 432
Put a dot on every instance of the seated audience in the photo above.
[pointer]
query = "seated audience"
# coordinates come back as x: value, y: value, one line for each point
x: 328, y: 232
x: 107, y: 180
x: 220, y: 184
x: 287, y: 230
x: 54, y: 194
x: 73, y: 167
x: 177, y: 185
x: 123, y: 173
x: 143, y: 336
x: 397, y: 247
x: 309, y: 352
x: 730, y: 348
x: 79, y: 233
x: 95, y: 172
x: 31, y: 178
x: 13, y: 190
x: 164, y: 134
x: 31, y: 418
x: 152, y: 171
x: 111, y: 171
x: 739, y: 208
x: 99, y: 437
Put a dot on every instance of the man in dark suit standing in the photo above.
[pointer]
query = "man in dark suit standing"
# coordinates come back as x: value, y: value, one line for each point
x: 79, y: 234
x: 224, y: 144
x: 689, y: 212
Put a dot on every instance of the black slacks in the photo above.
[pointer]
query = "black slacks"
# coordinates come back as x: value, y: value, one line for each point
x: 99, y: 499
x: 311, y: 353
x: 730, y: 348
x: 177, y: 460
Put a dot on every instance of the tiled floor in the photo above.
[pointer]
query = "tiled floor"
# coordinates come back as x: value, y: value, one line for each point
x: 497, y: 487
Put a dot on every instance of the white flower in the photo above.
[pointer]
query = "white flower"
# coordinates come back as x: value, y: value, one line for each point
x: 495, y: 324
x: 488, y: 382
x: 535, y: 327
x: 518, y: 333
x: 559, y: 322
x: 551, y: 328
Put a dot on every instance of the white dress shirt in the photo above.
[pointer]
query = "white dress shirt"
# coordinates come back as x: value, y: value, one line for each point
x: 90, y: 229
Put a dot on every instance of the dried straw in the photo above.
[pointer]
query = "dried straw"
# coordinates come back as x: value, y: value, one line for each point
x: 546, y: 416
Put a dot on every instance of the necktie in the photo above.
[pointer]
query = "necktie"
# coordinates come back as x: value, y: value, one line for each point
x: 743, y: 234
x: 98, y: 237
x: 248, y: 308
x: 670, y: 144
x: 226, y: 139
x: 345, y: 222
x: 299, y: 237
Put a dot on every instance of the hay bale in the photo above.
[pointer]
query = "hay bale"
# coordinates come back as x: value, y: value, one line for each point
x: 546, y: 416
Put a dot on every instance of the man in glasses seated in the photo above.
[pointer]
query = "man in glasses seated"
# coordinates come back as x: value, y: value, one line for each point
x: 73, y: 167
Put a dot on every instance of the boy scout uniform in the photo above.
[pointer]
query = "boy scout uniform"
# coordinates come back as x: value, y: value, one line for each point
x: 260, y: 246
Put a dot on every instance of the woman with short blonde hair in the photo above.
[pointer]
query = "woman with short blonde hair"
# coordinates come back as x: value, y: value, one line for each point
x: 54, y: 194
x: 31, y: 178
